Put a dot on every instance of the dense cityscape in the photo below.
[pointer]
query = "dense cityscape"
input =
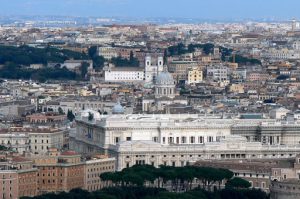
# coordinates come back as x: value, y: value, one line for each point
x: 117, y: 108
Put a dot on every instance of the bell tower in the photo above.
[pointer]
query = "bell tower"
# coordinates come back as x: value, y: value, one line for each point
x: 160, y: 64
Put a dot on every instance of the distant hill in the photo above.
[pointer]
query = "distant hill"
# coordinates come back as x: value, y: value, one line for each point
x: 15, y: 62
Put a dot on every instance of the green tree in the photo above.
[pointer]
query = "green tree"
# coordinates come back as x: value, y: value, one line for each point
x: 98, y: 62
x: 3, y: 148
x: 238, y: 183
x: 70, y: 115
x: 92, y: 51
x: 131, y: 56
x: 60, y: 111
x: 84, y: 69
x: 91, y: 116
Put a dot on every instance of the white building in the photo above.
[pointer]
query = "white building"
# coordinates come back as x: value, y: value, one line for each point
x: 124, y: 74
x: 177, y: 139
x: 278, y: 113
x: 147, y: 75
x: 130, y: 153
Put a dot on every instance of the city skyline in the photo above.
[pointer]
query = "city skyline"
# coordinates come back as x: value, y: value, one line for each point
x: 214, y: 10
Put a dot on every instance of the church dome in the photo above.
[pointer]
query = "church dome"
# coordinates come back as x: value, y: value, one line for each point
x: 118, y: 109
x: 164, y: 78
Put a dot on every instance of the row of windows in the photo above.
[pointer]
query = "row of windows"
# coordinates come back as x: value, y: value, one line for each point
x: 165, y: 156
x: 128, y: 78
x: 94, y: 181
x: 191, y: 140
x: 250, y: 175
x: 3, y: 142
x: 101, y: 169
x: 90, y: 105
x: 4, y: 195
x: 118, y: 139
x: 165, y: 163
x: 36, y: 141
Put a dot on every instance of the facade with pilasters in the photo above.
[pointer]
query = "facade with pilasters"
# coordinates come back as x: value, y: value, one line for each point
x: 179, y: 139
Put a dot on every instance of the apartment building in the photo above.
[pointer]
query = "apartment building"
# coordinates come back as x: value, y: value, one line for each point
x: 94, y: 168
x: 179, y: 69
x: 35, y: 140
x: 107, y: 52
x: 59, y: 172
x: 195, y: 75
x: 18, y: 177
x: 218, y: 73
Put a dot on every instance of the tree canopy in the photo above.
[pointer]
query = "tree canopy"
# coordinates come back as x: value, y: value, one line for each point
x: 15, y: 61
x: 238, y: 183
x: 70, y: 115
x: 181, y: 178
x: 148, y: 182
x: 25, y: 55
x: 180, y: 49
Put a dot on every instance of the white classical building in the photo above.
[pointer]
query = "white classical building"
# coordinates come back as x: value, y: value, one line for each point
x: 230, y: 147
x: 180, y: 139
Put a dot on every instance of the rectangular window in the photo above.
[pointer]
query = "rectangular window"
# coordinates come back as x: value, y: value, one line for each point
x: 128, y: 138
x: 192, y: 140
x: 183, y: 140
x: 200, y: 139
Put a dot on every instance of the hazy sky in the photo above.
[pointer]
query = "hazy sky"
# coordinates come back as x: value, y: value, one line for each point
x: 205, y: 9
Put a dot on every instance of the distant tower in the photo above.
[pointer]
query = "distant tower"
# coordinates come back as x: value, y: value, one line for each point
x: 294, y: 24
x: 148, y: 69
x: 160, y: 64
x: 233, y: 58
x: 148, y: 61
